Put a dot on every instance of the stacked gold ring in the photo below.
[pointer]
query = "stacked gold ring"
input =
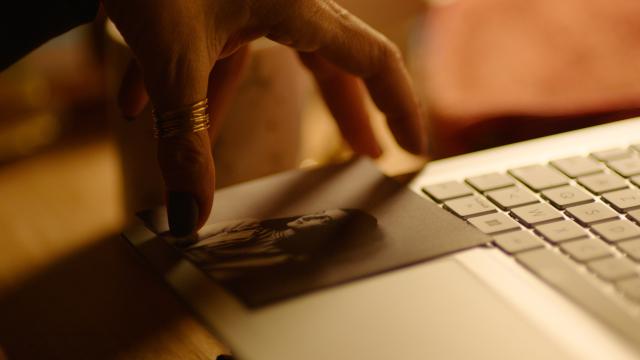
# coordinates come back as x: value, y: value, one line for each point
x: 191, y: 118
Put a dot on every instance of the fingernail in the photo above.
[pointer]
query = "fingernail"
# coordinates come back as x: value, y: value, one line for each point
x: 129, y: 118
x: 224, y: 357
x: 182, y: 210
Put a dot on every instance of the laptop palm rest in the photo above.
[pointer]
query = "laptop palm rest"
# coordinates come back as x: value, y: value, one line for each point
x: 449, y: 314
x: 453, y: 315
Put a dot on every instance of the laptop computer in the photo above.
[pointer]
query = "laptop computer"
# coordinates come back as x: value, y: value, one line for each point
x: 558, y: 276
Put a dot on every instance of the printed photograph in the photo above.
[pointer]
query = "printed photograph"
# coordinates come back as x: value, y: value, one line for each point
x: 241, y: 254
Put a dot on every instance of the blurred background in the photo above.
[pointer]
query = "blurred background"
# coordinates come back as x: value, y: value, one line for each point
x: 489, y: 72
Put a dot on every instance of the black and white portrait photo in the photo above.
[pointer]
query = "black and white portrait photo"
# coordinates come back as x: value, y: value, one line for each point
x: 231, y: 249
x: 247, y: 255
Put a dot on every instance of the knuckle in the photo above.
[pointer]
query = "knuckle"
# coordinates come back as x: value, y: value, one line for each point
x: 391, y: 54
x: 188, y: 156
x: 384, y: 55
x: 181, y: 155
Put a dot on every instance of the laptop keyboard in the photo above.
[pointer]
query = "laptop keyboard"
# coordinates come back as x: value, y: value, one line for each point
x: 583, y: 208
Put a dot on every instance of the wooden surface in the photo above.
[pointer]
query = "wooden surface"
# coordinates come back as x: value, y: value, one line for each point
x: 70, y: 287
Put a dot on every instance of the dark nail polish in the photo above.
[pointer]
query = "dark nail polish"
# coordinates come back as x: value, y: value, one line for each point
x: 182, y: 210
x: 224, y: 357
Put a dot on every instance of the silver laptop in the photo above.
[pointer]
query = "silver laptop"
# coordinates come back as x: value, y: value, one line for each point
x: 561, y: 279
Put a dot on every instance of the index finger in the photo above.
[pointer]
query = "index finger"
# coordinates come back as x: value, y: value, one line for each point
x: 326, y: 28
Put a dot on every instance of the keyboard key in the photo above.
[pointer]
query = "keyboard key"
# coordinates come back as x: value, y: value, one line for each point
x: 630, y: 287
x: 617, y: 230
x: 512, y: 197
x: 623, y: 200
x: 592, y: 213
x: 560, y: 231
x: 634, y: 215
x: 539, y: 177
x: 447, y: 190
x: 602, y: 183
x: 611, y: 154
x: 537, y: 214
x: 631, y: 248
x: 491, y: 181
x: 635, y: 180
x: 577, y: 166
x: 470, y: 206
x: 586, y: 250
x: 494, y: 223
x: 517, y: 241
x: 566, y: 196
x: 612, y: 269
x: 626, y: 167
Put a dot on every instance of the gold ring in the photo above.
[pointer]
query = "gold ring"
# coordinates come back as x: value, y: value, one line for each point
x: 191, y: 118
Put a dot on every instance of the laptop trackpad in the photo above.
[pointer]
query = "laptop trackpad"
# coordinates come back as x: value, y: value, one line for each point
x: 436, y: 310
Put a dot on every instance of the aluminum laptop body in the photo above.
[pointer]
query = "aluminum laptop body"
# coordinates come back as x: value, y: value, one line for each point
x: 484, y: 303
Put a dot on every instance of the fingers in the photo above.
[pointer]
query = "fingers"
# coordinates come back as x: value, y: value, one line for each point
x: 347, y: 42
x: 176, y: 51
x: 223, y: 85
x: 189, y: 175
x: 132, y: 97
x: 185, y: 160
x: 343, y: 96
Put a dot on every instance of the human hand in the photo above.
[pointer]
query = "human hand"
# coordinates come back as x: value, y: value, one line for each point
x: 187, y: 50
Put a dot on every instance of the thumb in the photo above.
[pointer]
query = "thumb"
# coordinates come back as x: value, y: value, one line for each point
x: 189, y: 177
x: 172, y: 45
x: 185, y: 159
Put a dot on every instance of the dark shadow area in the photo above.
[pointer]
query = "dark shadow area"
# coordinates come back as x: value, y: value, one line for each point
x: 98, y: 303
x: 512, y: 128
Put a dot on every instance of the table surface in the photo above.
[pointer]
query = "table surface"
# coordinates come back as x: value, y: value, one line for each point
x: 70, y: 286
